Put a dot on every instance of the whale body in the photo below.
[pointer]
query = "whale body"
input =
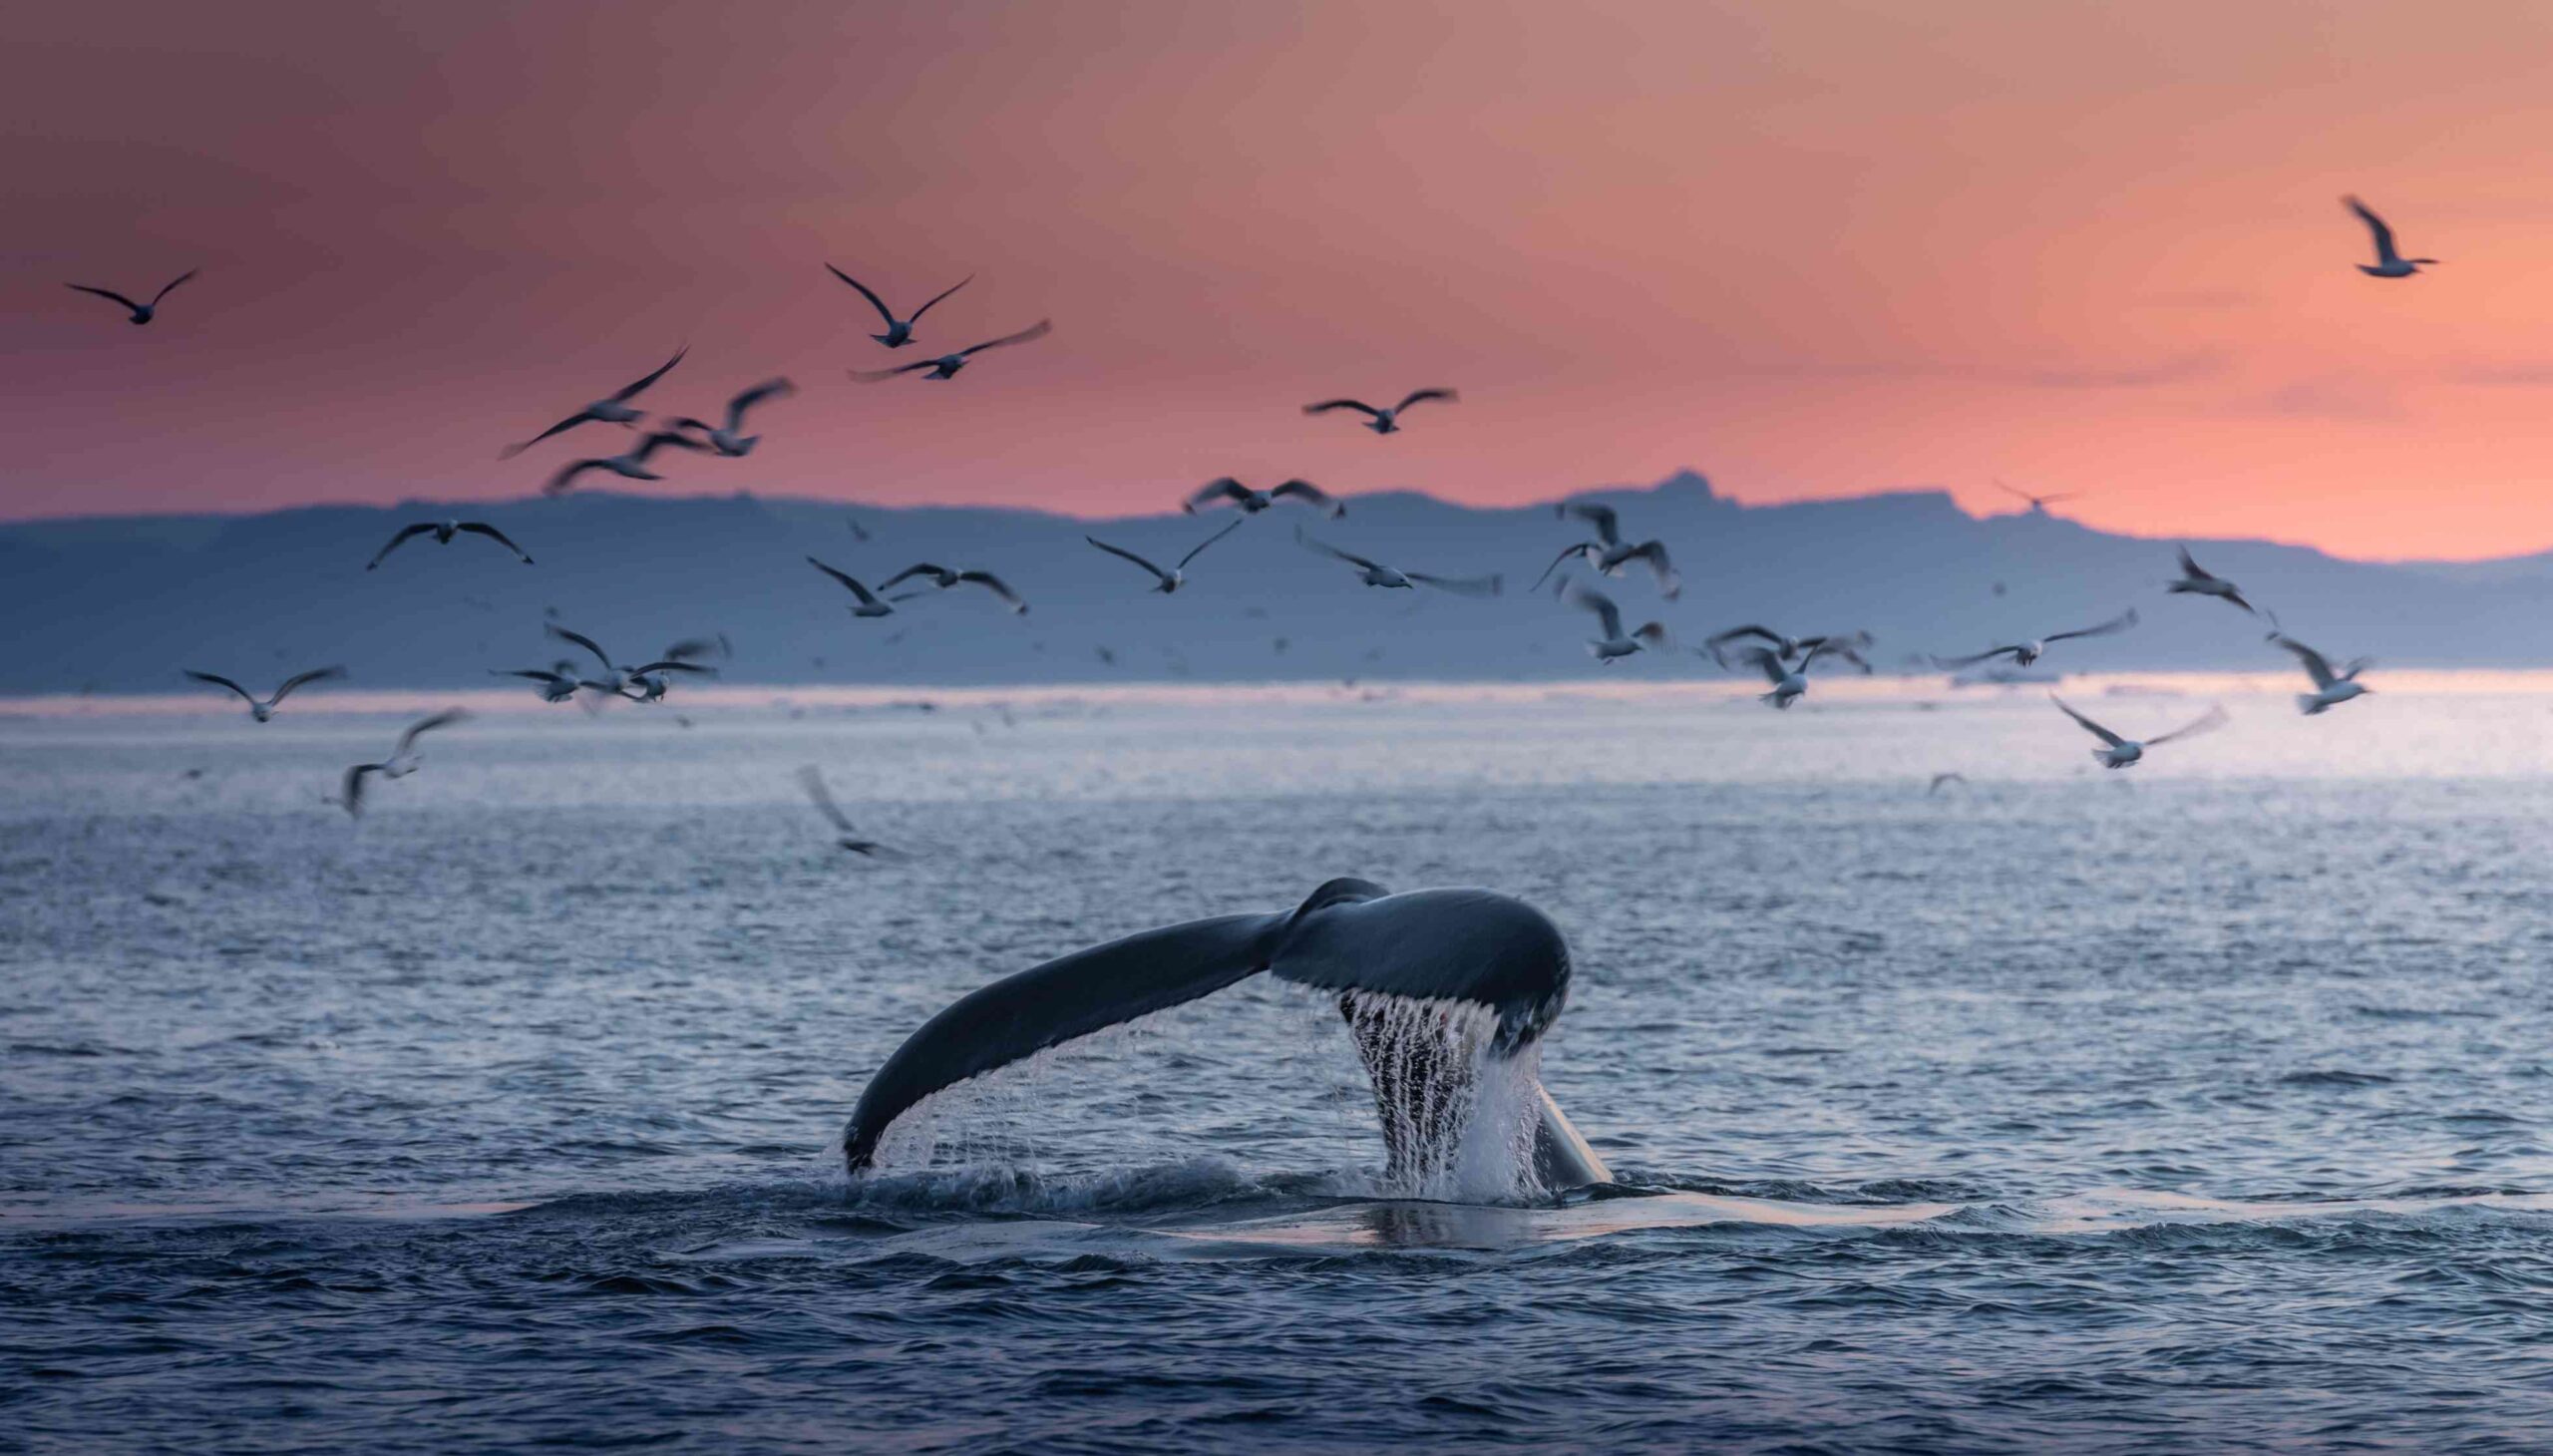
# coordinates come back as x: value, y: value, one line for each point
x: 1474, y: 949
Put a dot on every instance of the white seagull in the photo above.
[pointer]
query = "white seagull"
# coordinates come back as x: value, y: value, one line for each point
x: 948, y: 365
x: 2389, y: 263
x: 1615, y: 643
x: 811, y: 779
x: 730, y: 440
x: 140, y: 312
x: 1609, y: 553
x: 1176, y: 577
x: 870, y: 604
x: 2199, y: 583
x: 613, y: 409
x: 899, y: 331
x: 402, y: 762
x: 1375, y: 574
x: 2331, y: 689
x: 943, y: 578
x: 443, y: 531
x: 1252, y: 502
x: 2123, y: 753
x: 1789, y: 681
x: 1847, y: 645
x: 631, y: 464
x: 2026, y: 653
x: 262, y: 711
x: 1380, y: 421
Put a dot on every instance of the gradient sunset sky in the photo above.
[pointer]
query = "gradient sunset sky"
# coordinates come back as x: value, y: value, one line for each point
x: 1811, y: 249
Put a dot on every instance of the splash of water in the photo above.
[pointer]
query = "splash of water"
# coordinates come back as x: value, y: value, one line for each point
x: 1458, y: 1117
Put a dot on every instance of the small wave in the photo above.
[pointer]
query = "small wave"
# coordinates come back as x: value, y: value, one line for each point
x: 2335, y: 1078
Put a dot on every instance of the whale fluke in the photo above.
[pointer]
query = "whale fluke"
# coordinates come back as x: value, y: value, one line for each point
x: 1470, y: 948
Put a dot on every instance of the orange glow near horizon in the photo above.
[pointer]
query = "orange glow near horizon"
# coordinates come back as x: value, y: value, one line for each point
x: 1810, y: 250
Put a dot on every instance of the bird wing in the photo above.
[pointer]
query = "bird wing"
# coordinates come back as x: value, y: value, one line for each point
x: 1038, y: 330
x: 873, y: 376
x: 996, y: 587
x: 1953, y: 663
x: 2355, y: 665
x: 581, y: 640
x: 1715, y: 639
x: 105, y: 294
x: 919, y: 569
x: 1489, y: 585
x: 316, y: 675
x: 875, y: 301
x: 1130, y: 555
x: 537, y: 674
x: 630, y: 392
x: 1325, y: 548
x: 1607, y: 524
x: 2119, y: 624
x: 1766, y: 661
x: 1601, y: 604
x: 352, y: 794
x: 658, y: 439
x: 482, y: 528
x: 170, y: 284
x: 1210, y: 541
x: 1325, y: 406
x: 1422, y: 396
x: 2385, y: 252
x: 414, y: 528
x: 422, y: 726
x: 862, y: 593
x: 690, y: 647
x: 1311, y: 495
x: 672, y: 664
x: 2191, y: 568
x: 2316, y: 666
x: 2095, y: 729
x: 220, y: 681
x: 1225, y: 488
x: 935, y: 298
x: 569, y: 423
x: 811, y: 779
x: 767, y: 389
x: 1669, y: 584
x: 2213, y: 719
x: 1578, y: 550
x: 557, y: 484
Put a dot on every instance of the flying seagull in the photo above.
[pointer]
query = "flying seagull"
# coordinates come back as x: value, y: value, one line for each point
x: 1375, y: 574
x: 1176, y: 577
x: 631, y: 464
x: 948, y: 365
x: 2038, y: 504
x: 1789, y: 681
x: 1615, y: 643
x: 1383, y: 422
x: 899, y: 331
x: 2121, y: 753
x: 811, y: 779
x: 943, y: 578
x: 731, y: 440
x: 618, y: 677
x: 2389, y: 263
x: 2197, y: 581
x: 401, y: 763
x: 2026, y: 653
x: 1847, y: 645
x: 262, y: 711
x: 443, y: 531
x: 870, y: 604
x: 612, y: 410
x: 1609, y: 553
x: 1251, y: 502
x: 558, y: 683
x: 1944, y: 781
x: 2331, y: 689
x: 141, y: 312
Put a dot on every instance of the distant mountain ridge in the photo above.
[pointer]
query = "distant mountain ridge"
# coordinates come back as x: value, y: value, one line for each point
x: 122, y: 604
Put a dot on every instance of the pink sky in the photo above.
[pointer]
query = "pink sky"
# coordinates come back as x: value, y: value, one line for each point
x: 1809, y: 248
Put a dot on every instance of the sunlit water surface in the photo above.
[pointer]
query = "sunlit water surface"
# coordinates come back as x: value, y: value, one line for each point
x: 2197, y: 1106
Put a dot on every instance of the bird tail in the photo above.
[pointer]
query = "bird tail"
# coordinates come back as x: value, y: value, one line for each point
x: 2308, y: 704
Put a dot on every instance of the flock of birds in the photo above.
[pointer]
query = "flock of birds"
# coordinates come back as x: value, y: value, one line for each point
x: 1782, y: 660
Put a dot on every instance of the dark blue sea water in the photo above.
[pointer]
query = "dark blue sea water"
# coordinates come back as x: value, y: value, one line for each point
x: 2199, y: 1107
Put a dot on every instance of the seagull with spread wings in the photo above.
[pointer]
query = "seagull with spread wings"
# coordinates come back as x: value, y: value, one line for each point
x: 730, y: 439
x: 1609, y: 553
x: 2199, y: 583
x: 1382, y: 421
x: 2123, y: 753
x: 811, y: 779
x: 948, y: 365
x: 2038, y: 504
x: 943, y: 578
x: 443, y: 531
x: 402, y: 762
x: 557, y: 681
x: 631, y: 464
x: 1176, y: 577
x: 2026, y: 653
x: 2332, y: 687
x: 1615, y: 642
x: 139, y: 312
x: 1790, y: 680
x: 612, y: 409
x: 899, y: 331
x: 265, y: 709
x: 871, y: 603
x: 1375, y: 574
x: 2389, y: 263
x: 1252, y: 502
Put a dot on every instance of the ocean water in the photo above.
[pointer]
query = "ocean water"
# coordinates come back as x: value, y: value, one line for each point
x: 2200, y: 1106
